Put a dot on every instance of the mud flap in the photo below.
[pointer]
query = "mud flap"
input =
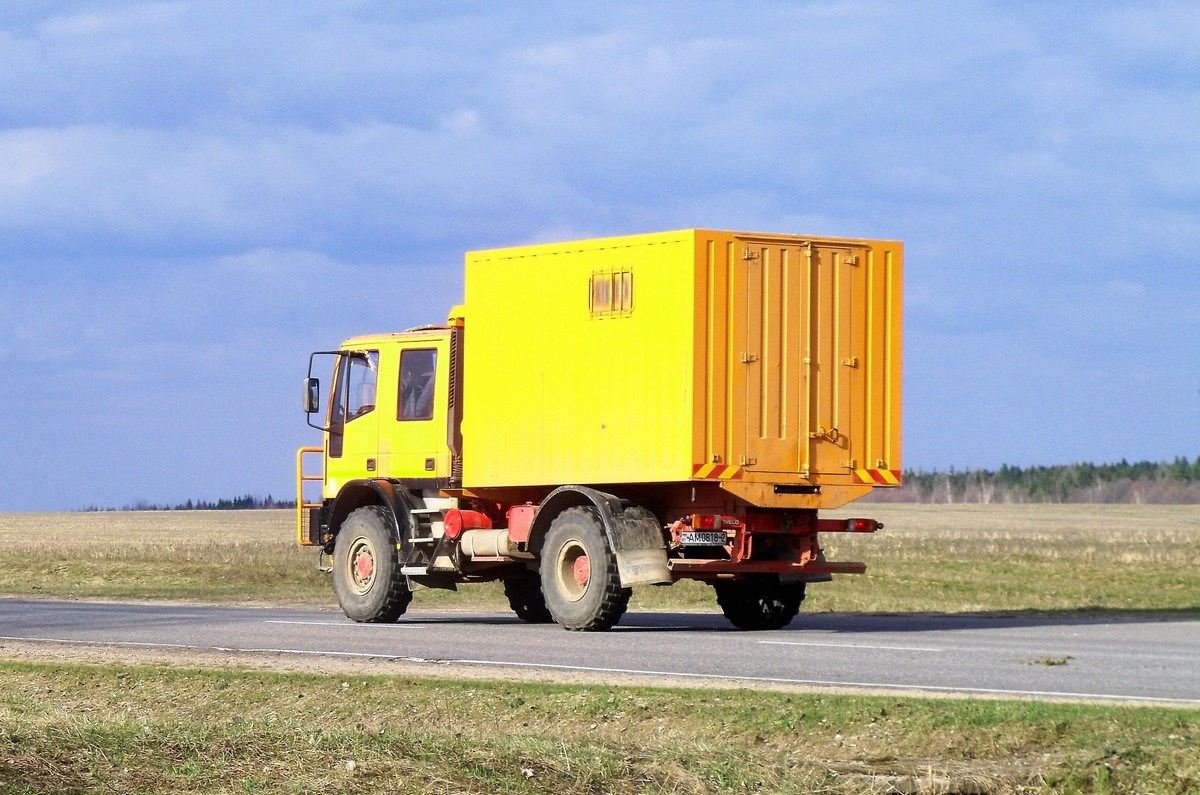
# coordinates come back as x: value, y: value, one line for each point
x: 639, y: 549
x: 643, y: 567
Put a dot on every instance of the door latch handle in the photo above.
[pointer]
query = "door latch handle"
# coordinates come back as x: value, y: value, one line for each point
x: 830, y: 435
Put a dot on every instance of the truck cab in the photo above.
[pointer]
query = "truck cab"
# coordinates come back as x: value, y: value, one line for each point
x: 388, y: 410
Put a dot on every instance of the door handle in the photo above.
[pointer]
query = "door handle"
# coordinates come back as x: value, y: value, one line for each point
x: 830, y: 435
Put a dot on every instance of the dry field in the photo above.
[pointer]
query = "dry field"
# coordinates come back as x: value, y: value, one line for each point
x: 967, y: 558
x: 199, y: 555
x: 940, y: 558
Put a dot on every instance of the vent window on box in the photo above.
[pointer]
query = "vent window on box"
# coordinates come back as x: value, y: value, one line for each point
x: 611, y: 293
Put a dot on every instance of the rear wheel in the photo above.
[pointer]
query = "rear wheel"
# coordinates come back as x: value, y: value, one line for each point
x: 366, y: 568
x: 524, y: 592
x: 579, y: 572
x: 759, y: 603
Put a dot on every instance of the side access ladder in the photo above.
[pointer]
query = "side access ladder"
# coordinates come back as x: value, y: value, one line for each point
x: 303, y: 507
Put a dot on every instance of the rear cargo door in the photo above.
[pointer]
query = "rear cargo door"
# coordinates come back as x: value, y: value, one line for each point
x: 803, y: 347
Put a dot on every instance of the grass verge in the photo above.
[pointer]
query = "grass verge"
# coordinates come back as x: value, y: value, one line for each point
x: 84, y: 728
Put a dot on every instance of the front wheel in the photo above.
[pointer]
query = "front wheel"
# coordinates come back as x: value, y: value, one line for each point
x: 579, y: 573
x: 366, y: 568
x: 759, y: 603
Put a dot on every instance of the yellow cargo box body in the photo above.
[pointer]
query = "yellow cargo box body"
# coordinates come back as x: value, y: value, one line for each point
x: 767, y: 364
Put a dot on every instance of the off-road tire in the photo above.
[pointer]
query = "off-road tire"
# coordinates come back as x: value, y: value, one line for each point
x: 366, y: 568
x: 590, y: 600
x: 524, y: 592
x: 759, y: 603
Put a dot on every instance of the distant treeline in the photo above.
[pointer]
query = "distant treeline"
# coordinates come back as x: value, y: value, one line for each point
x: 1144, y: 482
x: 248, y: 502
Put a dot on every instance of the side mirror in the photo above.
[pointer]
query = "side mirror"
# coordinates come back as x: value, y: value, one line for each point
x: 312, y: 395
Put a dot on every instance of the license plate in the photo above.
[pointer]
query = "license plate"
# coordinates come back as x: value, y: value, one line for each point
x: 702, y: 538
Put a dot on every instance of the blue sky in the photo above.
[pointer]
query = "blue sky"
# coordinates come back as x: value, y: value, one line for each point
x: 194, y: 195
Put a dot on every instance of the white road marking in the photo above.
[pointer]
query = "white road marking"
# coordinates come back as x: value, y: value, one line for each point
x: 76, y: 642
x: 346, y: 624
x: 236, y: 649
x: 847, y: 645
x: 824, y: 683
x: 639, y: 672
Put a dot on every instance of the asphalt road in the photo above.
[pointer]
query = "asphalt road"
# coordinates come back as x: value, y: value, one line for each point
x: 1112, y: 659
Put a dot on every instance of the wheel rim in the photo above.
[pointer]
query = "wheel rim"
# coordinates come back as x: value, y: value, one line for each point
x: 574, y: 570
x: 361, y: 566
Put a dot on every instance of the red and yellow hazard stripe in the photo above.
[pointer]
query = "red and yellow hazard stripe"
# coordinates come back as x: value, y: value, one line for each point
x: 716, y: 472
x: 877, y: 477
x: 872, y: 477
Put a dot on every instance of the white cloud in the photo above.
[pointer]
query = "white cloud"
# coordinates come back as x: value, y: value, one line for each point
x: 121, y: 23
x: 614, y: 125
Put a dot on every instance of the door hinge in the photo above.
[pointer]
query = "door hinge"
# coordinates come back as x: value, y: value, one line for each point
x: 850, y: 361
x: 746, y: 461
x: 749, y: 254
x: 747, y: 358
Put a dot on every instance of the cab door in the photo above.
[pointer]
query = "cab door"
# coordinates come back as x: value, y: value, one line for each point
x: 413, y: 439
x: 352, y: 440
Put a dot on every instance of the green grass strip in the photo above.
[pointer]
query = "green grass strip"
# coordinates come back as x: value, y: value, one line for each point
x: 89, y: 728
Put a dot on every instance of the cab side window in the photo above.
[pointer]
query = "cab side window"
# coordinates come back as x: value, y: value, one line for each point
x: 361, y: 383
x: 417, y: 370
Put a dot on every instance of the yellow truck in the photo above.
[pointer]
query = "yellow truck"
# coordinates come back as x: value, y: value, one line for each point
x: 614, y: 412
